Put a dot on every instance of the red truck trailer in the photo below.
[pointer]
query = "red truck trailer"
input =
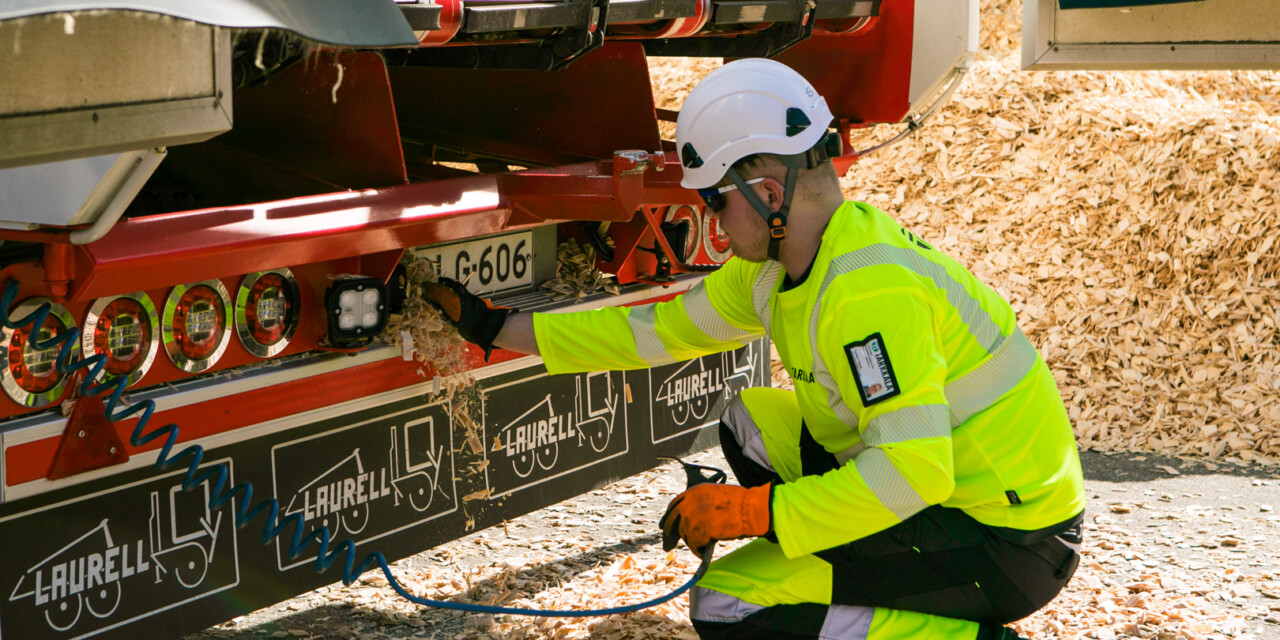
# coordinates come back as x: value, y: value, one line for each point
x: 216, y: 201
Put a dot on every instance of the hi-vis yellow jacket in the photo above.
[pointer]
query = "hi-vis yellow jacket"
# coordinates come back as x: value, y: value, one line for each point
x: 907, y: 368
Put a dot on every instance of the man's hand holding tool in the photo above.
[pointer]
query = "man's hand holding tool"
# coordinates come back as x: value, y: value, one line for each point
x: 709, y: 510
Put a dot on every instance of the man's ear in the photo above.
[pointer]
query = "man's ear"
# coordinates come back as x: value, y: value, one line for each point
x: 773, y: 191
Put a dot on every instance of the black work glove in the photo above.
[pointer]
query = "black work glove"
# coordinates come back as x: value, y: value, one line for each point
x: 478, y: 321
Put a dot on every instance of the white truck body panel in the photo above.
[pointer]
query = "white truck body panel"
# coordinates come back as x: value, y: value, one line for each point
x: 1212, y: 34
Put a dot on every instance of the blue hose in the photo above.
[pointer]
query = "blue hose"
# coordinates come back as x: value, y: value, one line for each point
x: 216, y: 476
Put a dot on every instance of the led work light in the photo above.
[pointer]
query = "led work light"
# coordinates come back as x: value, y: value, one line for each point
x: 357, y: 310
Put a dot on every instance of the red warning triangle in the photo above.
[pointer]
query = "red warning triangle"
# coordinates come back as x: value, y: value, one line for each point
x: 89, y: 441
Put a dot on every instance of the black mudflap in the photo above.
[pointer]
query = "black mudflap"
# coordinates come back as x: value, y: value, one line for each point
x: 135, y: 556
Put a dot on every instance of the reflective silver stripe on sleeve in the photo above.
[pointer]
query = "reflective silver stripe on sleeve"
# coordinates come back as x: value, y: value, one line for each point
x: 713, y: 606
x: 850, y: 453
x: 975, y: 391
x: 746, y: 432
x: 648, y: 345
x: 889, y: 485
x: 835, y: 400
x: 989, y: 381
x: 979, y: 322
x: 761, y: 292
x: 846, y: 622
x: 907, y: 423
x: 697, y: 304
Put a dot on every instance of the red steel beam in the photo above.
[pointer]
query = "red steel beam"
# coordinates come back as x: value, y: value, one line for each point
x: 163, y: 250
x: 168, y: 249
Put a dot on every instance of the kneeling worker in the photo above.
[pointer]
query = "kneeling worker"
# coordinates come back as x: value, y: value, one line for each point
x: 922, y: 480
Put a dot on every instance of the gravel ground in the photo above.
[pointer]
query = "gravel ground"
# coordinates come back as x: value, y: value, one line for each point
x: 1174, y: 549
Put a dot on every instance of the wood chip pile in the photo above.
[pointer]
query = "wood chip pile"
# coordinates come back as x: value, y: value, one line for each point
x: 1118, y: 591
x: 420, y: 330
x: 1131, y: 219
x: 576, y: 273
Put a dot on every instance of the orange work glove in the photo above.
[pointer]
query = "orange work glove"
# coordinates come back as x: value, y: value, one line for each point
x: 478, y: 320
x: 710, y: 511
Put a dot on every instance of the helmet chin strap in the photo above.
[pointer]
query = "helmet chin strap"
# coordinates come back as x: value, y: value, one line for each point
x: 775, y: 220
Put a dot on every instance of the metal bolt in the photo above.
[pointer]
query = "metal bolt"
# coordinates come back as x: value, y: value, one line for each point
x: 81, y: 434
x: 113, y: 449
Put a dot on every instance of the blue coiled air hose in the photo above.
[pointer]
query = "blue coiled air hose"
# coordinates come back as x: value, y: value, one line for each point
x: 216, y: 476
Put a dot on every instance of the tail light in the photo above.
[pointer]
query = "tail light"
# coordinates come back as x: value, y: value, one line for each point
x: 197, y: 325
x: 267, y: 311
x: 714, y: 240
x: 31, y: 375
x: 124, y: 329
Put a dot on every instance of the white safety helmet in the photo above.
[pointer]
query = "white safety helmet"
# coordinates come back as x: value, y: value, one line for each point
x: 746, y: 107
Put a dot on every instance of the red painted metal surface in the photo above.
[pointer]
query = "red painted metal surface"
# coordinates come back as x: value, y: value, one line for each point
x: 312, y: 280
x: 450, y: 23
x: 292, y: 138
x: 600, y: 104
x: 865, y: 76
x: 58, y: 268
x: 577, y: 117
x: 168, y: 249
x: 31, y: 461
x: 330, y: 117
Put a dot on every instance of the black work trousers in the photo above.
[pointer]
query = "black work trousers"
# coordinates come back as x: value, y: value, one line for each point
x: 939, y: 561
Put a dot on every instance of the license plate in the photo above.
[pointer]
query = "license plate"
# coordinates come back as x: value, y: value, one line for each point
x: 487, y: 265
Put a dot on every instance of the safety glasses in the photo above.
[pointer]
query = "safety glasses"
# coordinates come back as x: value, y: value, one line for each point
x: 714, y: 196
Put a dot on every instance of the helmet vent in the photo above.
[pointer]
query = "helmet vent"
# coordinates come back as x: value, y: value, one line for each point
x: 689, y: 158
x: 797, y: 121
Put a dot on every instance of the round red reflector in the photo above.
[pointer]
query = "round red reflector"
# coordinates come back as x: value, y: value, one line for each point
x: 123, y: 329
x: 266, y: 311
x: 714, y: 240
x: 197, y: 325
x: 30, y: 376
